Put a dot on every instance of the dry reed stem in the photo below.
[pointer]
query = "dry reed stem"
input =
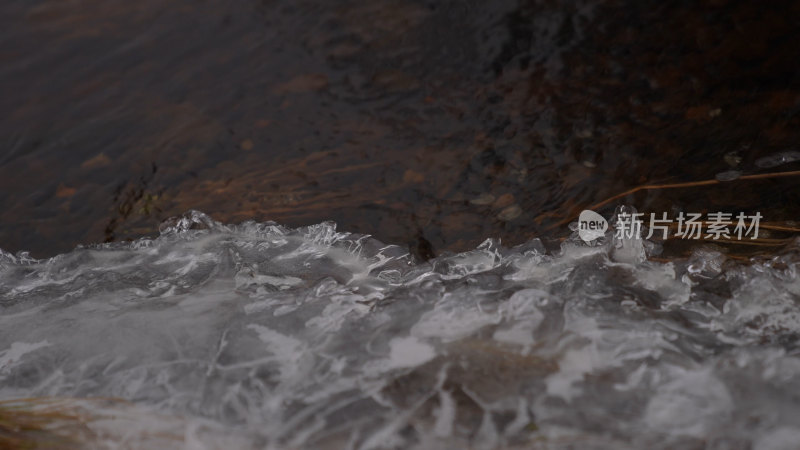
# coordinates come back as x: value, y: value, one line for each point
x: 648, y: 187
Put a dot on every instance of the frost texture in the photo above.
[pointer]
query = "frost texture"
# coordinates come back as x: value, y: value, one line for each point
x: 270, y: 337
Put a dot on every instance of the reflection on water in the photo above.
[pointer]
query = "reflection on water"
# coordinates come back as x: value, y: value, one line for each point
x: 266, y: 336
x: 433, y: 124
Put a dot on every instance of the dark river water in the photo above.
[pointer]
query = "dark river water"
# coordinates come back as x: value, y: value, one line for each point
x: 341, y: 224
x: 429, y: 124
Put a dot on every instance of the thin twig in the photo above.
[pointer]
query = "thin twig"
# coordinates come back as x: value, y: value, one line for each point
x: 648, y: 187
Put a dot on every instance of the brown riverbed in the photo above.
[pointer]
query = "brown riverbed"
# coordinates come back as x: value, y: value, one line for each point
x: 432, y: 124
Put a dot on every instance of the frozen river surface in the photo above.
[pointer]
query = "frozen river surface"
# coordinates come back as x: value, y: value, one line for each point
x: 257, y: 335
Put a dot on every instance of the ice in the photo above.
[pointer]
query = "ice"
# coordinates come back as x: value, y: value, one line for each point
x: 627, y: 247
x: 783, y: 438
x: 729, y: 175
x: 778, y: 159
x: 11, y: 356
x: 691, y: 404
x: 262, y: 336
